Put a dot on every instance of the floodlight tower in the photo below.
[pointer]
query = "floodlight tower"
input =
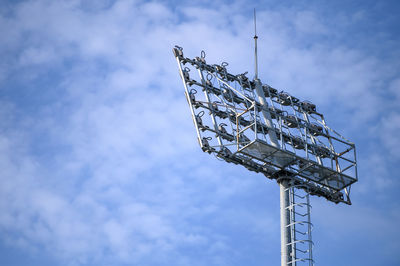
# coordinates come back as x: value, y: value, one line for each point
x: 249, y: 123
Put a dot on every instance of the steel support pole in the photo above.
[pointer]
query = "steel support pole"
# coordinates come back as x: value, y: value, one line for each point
x: 286, y: 248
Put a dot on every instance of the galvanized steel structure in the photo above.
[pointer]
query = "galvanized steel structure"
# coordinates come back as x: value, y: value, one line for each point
x: 250, y: 123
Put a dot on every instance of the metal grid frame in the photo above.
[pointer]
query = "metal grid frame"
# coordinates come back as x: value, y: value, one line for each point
x: 252, y: 124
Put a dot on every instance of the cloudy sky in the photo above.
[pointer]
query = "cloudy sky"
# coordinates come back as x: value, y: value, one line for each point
x: 99, y: 163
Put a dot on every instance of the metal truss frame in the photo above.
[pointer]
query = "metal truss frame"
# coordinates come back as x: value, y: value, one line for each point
x: 312, y: 154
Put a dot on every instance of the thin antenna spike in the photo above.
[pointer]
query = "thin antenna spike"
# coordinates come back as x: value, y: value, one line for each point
x: 255, y: 47
x: 255, y: 24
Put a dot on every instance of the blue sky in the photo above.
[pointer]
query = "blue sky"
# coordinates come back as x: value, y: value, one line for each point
x: 99, y: 163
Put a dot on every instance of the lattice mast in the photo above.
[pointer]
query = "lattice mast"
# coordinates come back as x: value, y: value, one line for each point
x: 249, y: 123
